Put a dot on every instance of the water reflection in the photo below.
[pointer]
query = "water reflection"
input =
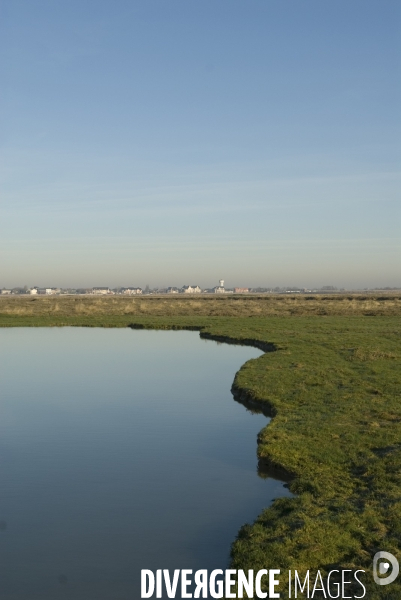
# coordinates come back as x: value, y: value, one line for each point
x: 120, y: 450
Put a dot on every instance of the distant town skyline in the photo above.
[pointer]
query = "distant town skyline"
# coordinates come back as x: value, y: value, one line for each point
x: 180, y: 142
x: 183, y: 289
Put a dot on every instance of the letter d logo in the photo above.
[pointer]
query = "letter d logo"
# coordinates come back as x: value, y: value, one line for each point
x: 386, y: 560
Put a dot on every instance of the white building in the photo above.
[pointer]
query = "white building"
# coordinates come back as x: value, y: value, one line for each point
x: 132, y: 291
x: 191, y: 289
x: 33, y: 291
x: 219, y: 289
x: 5, y: 292
x: 100, y: 291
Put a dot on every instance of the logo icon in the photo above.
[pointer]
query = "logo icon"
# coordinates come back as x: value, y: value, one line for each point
x: 385, y: 568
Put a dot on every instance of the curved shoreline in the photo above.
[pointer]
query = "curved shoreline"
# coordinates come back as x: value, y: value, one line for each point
x: 244, y: 396
x: 266, y: 465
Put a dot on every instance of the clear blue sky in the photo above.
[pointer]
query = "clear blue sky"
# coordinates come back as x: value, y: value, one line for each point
x: 169, y: 142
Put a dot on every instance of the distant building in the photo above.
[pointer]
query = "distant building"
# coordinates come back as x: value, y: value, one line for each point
x: 241, y: 290
x: 172, y: 290
x: 33, y: 291
x: 131, y: 291
x: 101, y: 291
x: 5, y: 292
x: 219, y: 289
x: 191, y: 289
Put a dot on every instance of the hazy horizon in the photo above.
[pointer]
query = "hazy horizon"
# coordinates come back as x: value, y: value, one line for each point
x: 228, y: 286
x: 179, y: 143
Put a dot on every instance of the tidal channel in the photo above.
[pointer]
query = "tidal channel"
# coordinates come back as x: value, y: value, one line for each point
x: 121, y: 450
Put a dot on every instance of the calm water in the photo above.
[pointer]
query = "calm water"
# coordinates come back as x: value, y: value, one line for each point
x: 120, y: 450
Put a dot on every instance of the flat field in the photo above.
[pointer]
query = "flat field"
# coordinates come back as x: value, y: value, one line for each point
x: 266, y: 305
x: 330, y: 377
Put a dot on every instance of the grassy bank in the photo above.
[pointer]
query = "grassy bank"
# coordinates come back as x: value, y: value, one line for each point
x: 332, y: 382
